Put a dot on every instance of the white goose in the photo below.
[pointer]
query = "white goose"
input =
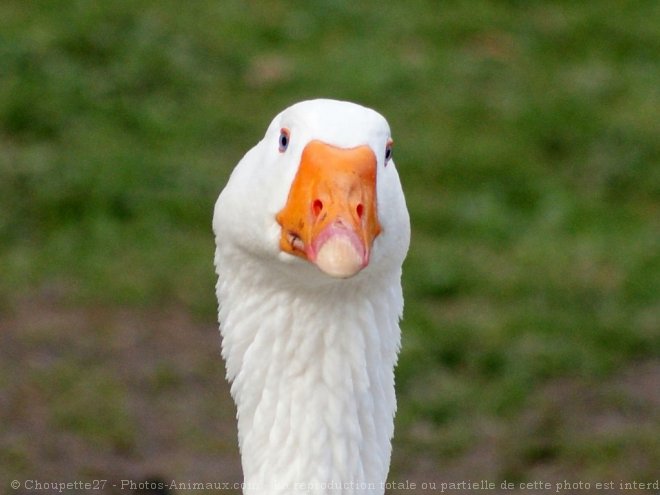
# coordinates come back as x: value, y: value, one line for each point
x: 311, y: 231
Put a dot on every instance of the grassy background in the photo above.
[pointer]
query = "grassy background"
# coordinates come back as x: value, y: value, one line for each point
x: 528, y: 142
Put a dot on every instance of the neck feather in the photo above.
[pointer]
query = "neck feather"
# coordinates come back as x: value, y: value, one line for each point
x: 312, y: 377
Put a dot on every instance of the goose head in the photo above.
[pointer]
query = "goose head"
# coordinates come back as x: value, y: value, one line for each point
x: 319, y: 196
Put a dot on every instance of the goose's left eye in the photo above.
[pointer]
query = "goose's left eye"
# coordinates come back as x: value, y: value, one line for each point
x: 284, y: 140
x: 388, y: 151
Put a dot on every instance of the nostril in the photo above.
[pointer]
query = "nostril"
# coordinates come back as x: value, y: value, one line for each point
x: 359, y: 210
x: 317, y: 207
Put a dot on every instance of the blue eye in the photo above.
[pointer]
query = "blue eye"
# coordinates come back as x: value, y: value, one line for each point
x: 388, y: 151
x: 284, y: 140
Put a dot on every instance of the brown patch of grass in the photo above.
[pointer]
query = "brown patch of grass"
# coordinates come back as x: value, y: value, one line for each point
x: 111, y: 393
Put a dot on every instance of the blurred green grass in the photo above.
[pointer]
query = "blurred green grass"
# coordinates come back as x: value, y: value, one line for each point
x: 527, y: 138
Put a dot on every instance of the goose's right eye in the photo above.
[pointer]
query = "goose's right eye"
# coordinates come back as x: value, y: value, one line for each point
x: 284, y: 140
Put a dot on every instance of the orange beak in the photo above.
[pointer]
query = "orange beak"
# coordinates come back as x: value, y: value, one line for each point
x: 330, y: 216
